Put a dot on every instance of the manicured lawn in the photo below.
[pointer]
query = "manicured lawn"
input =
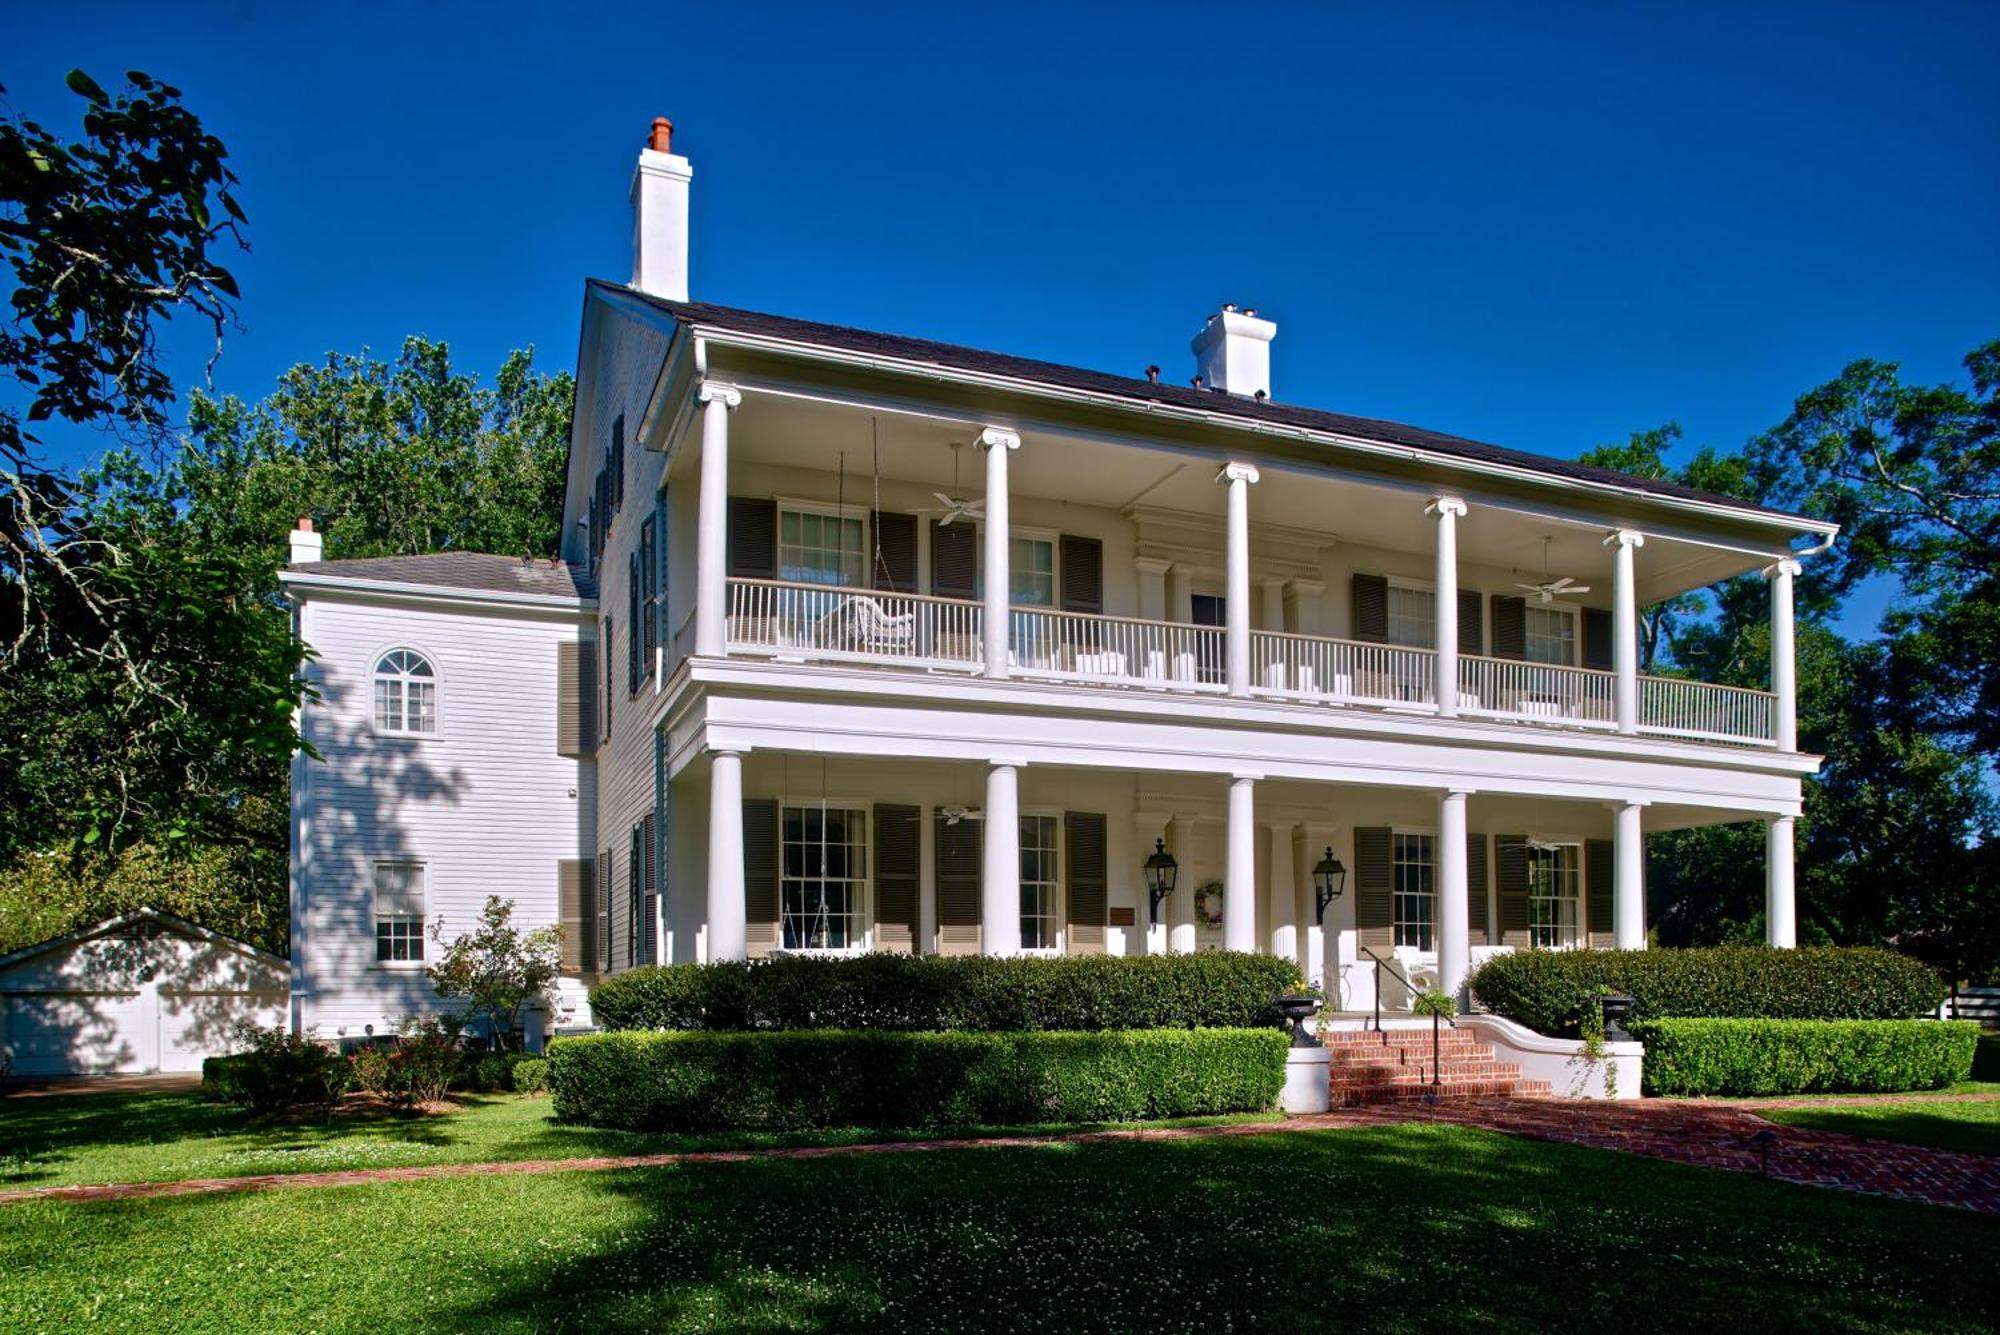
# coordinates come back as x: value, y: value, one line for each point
x: 1411, y: 1227
x: 1945, y: 1124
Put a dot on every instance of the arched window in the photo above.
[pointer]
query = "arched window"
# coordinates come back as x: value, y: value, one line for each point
x: 405, y: 693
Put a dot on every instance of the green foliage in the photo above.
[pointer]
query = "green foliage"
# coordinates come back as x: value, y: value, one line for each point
x: 1747, y: 1057
x: 496, y: 968
x: 278, y: 1072
x: 826, y: 1078
x: 531, y: 1076
x: 1214, y: 989
x: 1551, y: 991
x: 1432, y: 1001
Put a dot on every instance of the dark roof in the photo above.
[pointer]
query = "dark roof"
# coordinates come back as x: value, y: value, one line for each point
x: 465, y: 570
x: 1184, y: 396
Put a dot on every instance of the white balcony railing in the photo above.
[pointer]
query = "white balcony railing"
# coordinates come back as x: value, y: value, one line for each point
x: 811, y: 622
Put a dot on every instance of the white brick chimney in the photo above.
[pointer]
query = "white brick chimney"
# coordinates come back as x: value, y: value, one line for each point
x: 660, y: 216
x: 306, y: 544
x: 1232, y: 353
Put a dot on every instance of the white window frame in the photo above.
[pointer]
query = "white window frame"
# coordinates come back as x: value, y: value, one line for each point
x: 1397, y: 894
x: 1579, y: 937
x: 1053, y: 537
x: 376, y: 675
x: 1057, y: 914
x: 1575, y: 615
x: 420, y: 873
x: 861, y: 913
x: 825, y: 510
x: 1399, y: 584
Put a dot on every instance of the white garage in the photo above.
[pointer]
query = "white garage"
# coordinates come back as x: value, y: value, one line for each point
x: 139, y: 993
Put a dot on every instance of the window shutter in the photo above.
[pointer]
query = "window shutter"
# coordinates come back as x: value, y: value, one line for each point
x: 649, y: 584
x: 633, y: 625
x: 570, y: 726
x: 1511, y: 852
x: 1088, y: 874
x: 1596, y: 638
x: 760, y: 876
x: 1598, y: 878
x: 1510, y: 627
x: 649, y: 907
x: 1374, y: 889
x: 618, y: 461
x: 635, y: 876
x: 954, y: 560
x: 895, y: 563
x: 605, y: 642
x: 753, y: 538
x: 599, y: 935
x: 958, y: 885
x: 1471, y: 633
x: 1082, y: 574
x: 1475, y: 887
x: 661, y: 632
x: 572, y: 913
x: 586, y: 697
x: 896, y: 852
x: 1371, y: 609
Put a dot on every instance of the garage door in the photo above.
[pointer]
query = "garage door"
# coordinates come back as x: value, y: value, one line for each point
x: 194, y: 1025
x: 82, y: 1033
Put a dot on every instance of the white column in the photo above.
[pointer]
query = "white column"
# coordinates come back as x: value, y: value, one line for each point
x: 711, y: 558
x: 1270, y: 667
x: 1148, y: 938
x: 1236, y: 587
x: 998, y: 445
x: 1239, y: 876
x: 1181, y: 934
x: 1000, y: 896
x: 1304, y: 854
x: 727, y: 908
x: 1283, y: 894
x: 1625, y: 626
x: 1447, y: 509
x: 1453, y: 910
x: 1784, y: 669
x: 1781, y: 912
x: 1628, y: 895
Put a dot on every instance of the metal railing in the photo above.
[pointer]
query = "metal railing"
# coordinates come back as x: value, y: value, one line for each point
x: 1437, y: 1030
x: 1678, y: 707
x: 1317, y: 669
x: 1115, y: 651
x: 1515, y: 689
x: 813, y: 621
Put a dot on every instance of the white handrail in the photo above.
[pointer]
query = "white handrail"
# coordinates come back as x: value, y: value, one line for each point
x: 1680, y: 707
x: 816, y: 621
x: 1513, y: 688
x: 1315, y: 668
x: 1115, y: 651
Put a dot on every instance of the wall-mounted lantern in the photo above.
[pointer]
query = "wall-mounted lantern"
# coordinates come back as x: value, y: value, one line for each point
x: 1161, y: 872
x: 1329, y: 880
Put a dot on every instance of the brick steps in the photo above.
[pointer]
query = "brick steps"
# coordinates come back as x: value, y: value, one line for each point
x: 1394, y: 1066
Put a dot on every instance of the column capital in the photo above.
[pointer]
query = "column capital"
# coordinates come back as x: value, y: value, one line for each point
x: 1151, y: 565
x: 1246, y: 776
x: 713, y: 391
x: 1624, y: 537
x: 1628, y: 803
x: 1783, y: 566
x: 997, y: 438
x: 738, y: 751
x: 1006, y: 762
x: 1457, y: 791
x: 1237, y: 472
x: 1311, y: 588
x: 1446, y: 505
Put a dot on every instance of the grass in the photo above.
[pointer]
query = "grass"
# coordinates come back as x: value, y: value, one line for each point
x: 1972, y: 1127
x: 1405, y: 1227
x: 68, y: 1140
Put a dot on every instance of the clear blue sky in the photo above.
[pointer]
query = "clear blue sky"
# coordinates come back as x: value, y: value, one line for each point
x: 1545, y: 225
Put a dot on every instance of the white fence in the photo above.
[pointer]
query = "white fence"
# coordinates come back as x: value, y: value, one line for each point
x: 1115, y: 651
x: 810, y: 621
x: 1675, y: 707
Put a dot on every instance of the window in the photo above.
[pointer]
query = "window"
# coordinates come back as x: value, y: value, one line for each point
x: 824, y: 877
x: 1415, y: 866
x: 1553, y: 897
x: 1551, y: 635
x: 399, y: 912
x: 817, y: 547
x: 1412, y: 616
x: 1040, y: 876
x: 649, y: 594
x: 1031, y: 572
x: 405, y: 693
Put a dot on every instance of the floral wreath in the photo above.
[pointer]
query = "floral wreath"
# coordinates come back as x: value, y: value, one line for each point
x: 1208, y: 904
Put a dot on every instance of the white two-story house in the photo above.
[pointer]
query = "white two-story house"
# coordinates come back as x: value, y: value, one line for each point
x: 861, y: 642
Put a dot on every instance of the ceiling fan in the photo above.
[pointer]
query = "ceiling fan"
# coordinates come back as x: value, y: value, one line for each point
x: 952, y: 505
x: 953, y: 815
x: 1548, y: 589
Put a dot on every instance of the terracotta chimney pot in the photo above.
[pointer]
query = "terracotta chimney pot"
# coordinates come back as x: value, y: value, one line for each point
x: 663, y: 135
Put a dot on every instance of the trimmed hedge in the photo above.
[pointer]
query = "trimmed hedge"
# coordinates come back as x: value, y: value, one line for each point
x: 664, y: 1081
x: 1547, y: 990
x: 1213, y: 989
x: 531, y: 1076
x: 1804, y: 1056
x: 280, y: 1072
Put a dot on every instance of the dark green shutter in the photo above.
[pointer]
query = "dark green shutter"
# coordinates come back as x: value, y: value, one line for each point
x: 1596, y: 638
x: 896, y: 853
x: 753, y: 538
x: 760, y: 876
x: 959, y: 876
x: 600, y: 917
x: 1371, y: 608
x: 1471, y: 633
x: 633, y: 625
x: 1475, y: 888
x: 1510, y: 851
x: 1510, y: 627
x: 1082, y: 574
x: 895, y: 562
x: 1374, y: 889
x: 649, y: 906
x: 1598, y: 878
x: 618, y: 461
x: 1088, y: 874
x: 954, y: 560
x: 635, y: 894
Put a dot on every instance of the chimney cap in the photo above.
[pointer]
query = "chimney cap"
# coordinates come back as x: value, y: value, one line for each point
x: 662, y: 138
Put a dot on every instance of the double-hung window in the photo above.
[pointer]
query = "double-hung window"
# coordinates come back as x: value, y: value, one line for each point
x: 399, y: 912
x: 1412, y: 616
x: 405, y: 693
x: 1414, y: 868
x: 649, y: 594
x: 1551, y: 635
x: 1554, y: 897
x: 1041, y: 874
x: 823, y: 881
x: 821, y: 547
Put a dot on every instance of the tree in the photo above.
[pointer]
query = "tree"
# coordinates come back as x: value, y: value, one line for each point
x: 496, y: 968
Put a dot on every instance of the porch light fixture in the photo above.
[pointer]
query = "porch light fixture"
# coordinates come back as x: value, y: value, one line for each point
x: 1161, y: 871
x: 1329, y: 880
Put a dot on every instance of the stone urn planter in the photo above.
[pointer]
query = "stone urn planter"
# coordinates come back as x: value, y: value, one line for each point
x: 1296, y: 1011
x: 1617, y: 1005
x: 1307, y: 1061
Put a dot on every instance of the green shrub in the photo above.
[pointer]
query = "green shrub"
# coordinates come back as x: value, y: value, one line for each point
x: 280, y: 1072
x: 1686, y: 1057
x: 531, y: 1076
x: 1547, y: 990
x: 488, y: 1072
x: 825, y: 1078
x: 1213, y: 989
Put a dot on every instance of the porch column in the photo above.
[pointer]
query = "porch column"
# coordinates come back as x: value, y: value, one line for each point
x: 1000, y: 895
x: 1236, y: 587
x: 1447, y: 509
x: 1152, y: 575
x: 998, y: 444
x: 1239, y: 877
x: 1784, y: 679
x: 711, y: 552
x: 727, y: 908
x: 1781, y: 914
x: 1311, y: 949
x: 1180, y: 904
x: 1628, y: 894
x: 1625, y: 626
x: 1283, y: 893
x: 1151, y: 939
x: 1453, y: 910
